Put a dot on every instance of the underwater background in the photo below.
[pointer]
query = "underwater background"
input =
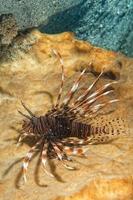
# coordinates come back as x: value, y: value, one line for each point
x: 33, y: 67
x: 105, y: 23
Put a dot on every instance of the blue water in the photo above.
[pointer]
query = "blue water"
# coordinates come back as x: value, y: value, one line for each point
x: 105, y: 23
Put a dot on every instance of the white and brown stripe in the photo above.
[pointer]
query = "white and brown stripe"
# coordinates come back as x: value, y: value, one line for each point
x: 65, y: 130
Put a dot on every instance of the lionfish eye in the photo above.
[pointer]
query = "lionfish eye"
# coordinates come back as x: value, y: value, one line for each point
x: 34, y: 120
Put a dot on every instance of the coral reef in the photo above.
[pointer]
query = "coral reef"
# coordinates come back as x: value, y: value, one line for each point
x: 8, y: 31
x: 32, y: 73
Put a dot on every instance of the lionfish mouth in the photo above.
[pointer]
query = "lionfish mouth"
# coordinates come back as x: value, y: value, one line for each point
x: 67, y: 124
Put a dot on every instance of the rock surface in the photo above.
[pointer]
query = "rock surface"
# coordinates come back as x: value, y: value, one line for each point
x: 8, y: 31
x: 104, y: 23
x: 32, y: 13
x: 31, y: 73
x: 108, y: 24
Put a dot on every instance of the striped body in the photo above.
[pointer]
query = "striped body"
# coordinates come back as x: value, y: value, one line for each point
x: 60, y: 126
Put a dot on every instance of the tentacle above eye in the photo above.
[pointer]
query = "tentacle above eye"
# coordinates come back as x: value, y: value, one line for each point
x: 27, y: 116
x: 27, y: 109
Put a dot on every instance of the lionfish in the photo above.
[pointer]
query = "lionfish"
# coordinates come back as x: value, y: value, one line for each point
x: 64, y: 129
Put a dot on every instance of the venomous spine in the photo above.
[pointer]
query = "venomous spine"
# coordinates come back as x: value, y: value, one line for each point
x: 63, y: 130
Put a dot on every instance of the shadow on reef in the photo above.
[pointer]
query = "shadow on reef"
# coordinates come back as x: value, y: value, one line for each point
x: 64, y: 21
x: 98, y: 22
x: 36, y: 171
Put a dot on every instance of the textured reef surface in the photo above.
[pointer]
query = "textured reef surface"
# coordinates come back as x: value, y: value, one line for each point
x: 31, y: 73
